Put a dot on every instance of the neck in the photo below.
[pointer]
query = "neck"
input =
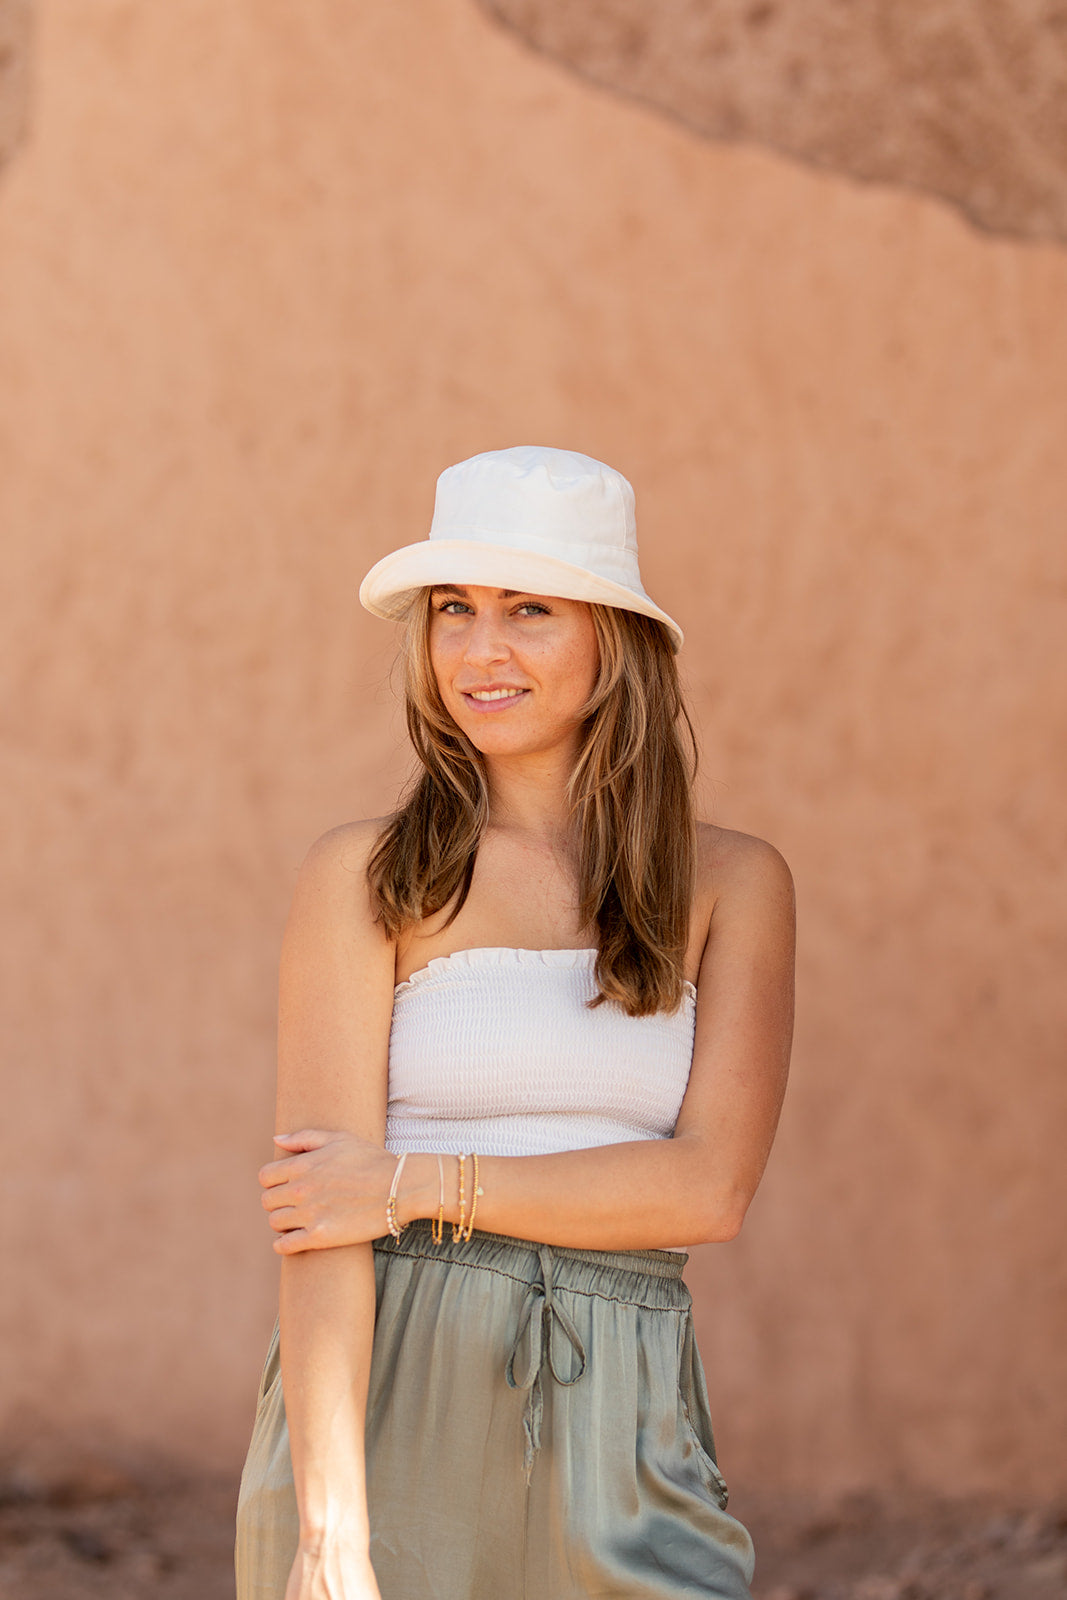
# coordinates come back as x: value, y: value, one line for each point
x: 529, y: 795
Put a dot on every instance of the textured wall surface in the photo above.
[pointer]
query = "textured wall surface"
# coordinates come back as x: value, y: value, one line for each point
x: 266, y: 270
x: 14, y: 73
x: 964, y: 98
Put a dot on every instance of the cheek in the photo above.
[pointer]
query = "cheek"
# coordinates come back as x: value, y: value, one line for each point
x: 586, y: 664
x: 438, y: 654
x: 575, y: 675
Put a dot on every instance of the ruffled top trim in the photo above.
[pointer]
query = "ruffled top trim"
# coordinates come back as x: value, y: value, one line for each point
x: 482, y: 956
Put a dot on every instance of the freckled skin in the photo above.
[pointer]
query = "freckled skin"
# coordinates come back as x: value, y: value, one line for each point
x: 483, y: 638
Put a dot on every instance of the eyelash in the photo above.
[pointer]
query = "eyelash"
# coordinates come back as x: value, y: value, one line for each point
x: 527, y: 605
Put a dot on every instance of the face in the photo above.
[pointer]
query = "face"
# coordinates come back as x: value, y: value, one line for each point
x: 514, y: 669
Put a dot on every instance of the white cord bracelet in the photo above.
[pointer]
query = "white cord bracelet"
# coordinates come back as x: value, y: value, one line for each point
x: 390, y: 1205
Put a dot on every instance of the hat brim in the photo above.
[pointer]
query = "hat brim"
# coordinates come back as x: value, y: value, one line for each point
x: 392, y: 583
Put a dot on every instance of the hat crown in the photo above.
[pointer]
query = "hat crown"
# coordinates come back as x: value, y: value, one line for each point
x: 533, y: 497
x: 530, y: 519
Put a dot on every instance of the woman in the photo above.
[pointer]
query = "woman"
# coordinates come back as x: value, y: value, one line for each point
x: 503, y: 1108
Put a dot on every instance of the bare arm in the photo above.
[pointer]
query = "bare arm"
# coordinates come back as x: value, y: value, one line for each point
x: 646, y: 1194
x: 335, y: 1003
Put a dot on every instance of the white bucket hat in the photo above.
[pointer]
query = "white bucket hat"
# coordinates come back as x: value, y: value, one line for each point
x: 542, y: 521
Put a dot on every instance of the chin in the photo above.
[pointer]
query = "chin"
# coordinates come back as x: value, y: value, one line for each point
x: 493, y: 741
x: 488, y: 743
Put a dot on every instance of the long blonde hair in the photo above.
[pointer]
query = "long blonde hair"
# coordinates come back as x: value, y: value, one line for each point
x: 631, y: 802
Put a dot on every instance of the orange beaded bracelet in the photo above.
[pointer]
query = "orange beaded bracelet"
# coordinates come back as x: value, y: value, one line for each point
x: 474, y: 1203
x: 457, y: 1228
x: 437, y: 1224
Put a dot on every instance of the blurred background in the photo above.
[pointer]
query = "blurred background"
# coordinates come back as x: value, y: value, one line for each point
x: 801, y: 274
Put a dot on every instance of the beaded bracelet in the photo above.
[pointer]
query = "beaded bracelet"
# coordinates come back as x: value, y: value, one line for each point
x: 395, y: 1228
x: 474, y: 1203
x: 457, y: 1228
x: 437, y: 1224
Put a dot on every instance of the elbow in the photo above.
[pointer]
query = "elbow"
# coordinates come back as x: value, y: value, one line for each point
x: 715, y: 1197
x: 722, y: 1220
x: 721, y: 1229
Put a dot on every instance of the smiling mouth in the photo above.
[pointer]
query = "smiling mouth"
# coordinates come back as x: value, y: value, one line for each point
x: 489, y: 700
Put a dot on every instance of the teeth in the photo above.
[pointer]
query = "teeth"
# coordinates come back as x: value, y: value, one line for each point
x: 494, y: 694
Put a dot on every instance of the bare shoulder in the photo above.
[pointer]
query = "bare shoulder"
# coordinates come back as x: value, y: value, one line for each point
x: 333, y: 874
x: 345, y: 849
x: 733, y: 865
x: 335, y: 992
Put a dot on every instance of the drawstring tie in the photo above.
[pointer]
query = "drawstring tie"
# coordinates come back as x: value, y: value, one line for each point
x: 541, y: 1311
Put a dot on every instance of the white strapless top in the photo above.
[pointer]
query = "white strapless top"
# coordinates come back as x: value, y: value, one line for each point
x: 496, y: 1050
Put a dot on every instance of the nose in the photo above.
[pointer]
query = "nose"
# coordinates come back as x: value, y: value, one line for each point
x: 486, y: 641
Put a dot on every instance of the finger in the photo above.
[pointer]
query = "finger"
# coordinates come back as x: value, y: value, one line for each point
x: 293, y: 1242
x: 306, y: 1139
x: 286, y: 1218
x: 283, y: 1171
x: 271, y: 1199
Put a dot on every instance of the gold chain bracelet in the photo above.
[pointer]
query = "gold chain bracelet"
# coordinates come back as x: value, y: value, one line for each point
x: 457, y: 1228
x: 437, y: 1225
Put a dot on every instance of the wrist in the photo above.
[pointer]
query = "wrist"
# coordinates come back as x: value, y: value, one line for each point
x: 420, y: 1184
x: 317, y: 1533
x: 326, y: 1519
x: 419, y: 1194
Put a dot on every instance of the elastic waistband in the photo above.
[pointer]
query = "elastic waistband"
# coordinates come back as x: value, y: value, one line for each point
x: 548, y: 1345
x: 650, y: 1278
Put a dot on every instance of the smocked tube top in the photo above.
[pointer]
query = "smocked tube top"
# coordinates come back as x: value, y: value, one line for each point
x: 496, y: 1050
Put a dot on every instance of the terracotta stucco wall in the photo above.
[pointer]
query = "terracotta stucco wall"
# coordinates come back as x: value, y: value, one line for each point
x: 15, y: 36
x: 961, y: 98
x: 265, y: 271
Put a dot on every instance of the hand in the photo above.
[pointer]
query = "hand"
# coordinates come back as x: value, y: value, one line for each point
x: 329, y: 1189
x: 327, y: 1571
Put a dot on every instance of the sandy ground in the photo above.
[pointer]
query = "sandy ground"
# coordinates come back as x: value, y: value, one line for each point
x: 105, y: 1535
x: 871, y: 1548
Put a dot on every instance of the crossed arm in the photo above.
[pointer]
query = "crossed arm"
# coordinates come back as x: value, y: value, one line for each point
x: 326, y: 1196
x: 330, y: 1187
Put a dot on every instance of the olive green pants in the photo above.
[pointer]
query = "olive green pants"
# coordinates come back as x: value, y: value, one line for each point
x: 537, y: 1429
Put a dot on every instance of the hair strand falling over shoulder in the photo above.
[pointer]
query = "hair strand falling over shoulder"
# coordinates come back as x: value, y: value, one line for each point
x: 631, y: 799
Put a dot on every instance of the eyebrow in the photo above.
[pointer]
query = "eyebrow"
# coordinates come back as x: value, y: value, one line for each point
x: 454, y: 588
